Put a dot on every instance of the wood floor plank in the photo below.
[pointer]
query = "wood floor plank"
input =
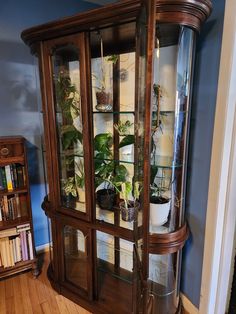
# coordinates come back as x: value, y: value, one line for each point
x: 9, y: 287
x: 25, y: 293
x: 10, y: 306
x: 18, y: 296
x: 61, y: 305
x: 33, y: 294
x: 46, y: 308
x: 2, y: 298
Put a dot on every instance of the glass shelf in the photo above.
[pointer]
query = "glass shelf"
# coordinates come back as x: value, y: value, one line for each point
x: 126, y: 160
x: 113, y: 112
x: 108, y: 216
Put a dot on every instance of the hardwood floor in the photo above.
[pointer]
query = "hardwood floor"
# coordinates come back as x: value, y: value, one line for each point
x: 22, y: 294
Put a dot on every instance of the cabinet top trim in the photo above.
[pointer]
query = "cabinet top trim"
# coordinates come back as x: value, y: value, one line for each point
x: 186, y: 12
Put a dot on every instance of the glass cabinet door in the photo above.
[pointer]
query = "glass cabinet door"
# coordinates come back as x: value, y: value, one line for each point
x: 67, y: 109
x: 75, y: 268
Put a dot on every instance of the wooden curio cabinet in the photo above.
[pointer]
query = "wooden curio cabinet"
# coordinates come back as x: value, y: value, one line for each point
x: 116, y: 87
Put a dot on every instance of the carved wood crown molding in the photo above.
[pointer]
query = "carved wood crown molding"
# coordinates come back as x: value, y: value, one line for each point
x: 191, y: 13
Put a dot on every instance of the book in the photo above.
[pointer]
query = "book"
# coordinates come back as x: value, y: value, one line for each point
x: 18, y: 249
x: 3, y: 252
x: 30, y: 245
x: 23, y: 227
x: 1, y: 180
x: 3, y: 176
x: 8, y: 178
x: 11, y: 260
x: 24, y: 245
x: 8, y: 233
x: 5, y: 207
x: 20, y: 176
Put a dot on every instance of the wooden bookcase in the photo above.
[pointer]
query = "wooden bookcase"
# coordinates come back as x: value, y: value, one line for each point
x: 17, y: 250
x: 116, y: 91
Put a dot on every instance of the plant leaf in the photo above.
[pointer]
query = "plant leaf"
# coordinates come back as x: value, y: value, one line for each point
x: 127, y: 140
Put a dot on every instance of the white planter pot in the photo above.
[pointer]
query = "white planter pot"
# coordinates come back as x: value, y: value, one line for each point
x: 159, y: 214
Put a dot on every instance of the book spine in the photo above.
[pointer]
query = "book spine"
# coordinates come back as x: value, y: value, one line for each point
x: 24, y: 245
x: 3, y: 172
x: 5, y: 207
x: 1, y: 180
x: 30, y: 245
x: 20, y: 178
x: 3, y: 252
x: 15, y: 176
x: 8, y: 178
x: 18, y: 249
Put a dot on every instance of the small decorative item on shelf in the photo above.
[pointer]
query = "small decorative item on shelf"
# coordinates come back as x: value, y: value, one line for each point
x: 159, y: 203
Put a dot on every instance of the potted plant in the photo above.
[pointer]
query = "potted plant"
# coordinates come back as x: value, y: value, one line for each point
x: 69, y: 187
x: 130, y: 195
x: 159, y: 203
x: 124, y: 130
x: 107, y: 171
x: 103, y: 94
x: 104, y: 167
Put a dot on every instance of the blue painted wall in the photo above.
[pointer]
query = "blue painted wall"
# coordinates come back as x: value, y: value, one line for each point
x: 20, y: 114
x: 202, y: 122
x: 19, y: 88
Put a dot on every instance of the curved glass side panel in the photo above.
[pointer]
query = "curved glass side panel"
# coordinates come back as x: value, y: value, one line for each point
x: 170, y: 117
x: 66, y: 69
x: 163, y: 283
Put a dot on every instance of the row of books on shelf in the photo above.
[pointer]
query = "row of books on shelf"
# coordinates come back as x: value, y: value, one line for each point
x: 15, y: 245
x: 13, y: 206
x: 12, y: 177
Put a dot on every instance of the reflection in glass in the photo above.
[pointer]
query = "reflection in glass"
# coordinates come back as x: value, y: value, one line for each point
x: 75, y: 257
x: 66, y: 69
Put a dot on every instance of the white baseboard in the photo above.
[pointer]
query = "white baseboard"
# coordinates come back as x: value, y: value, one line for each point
x: 188, y: 306
x: 42, y: 248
